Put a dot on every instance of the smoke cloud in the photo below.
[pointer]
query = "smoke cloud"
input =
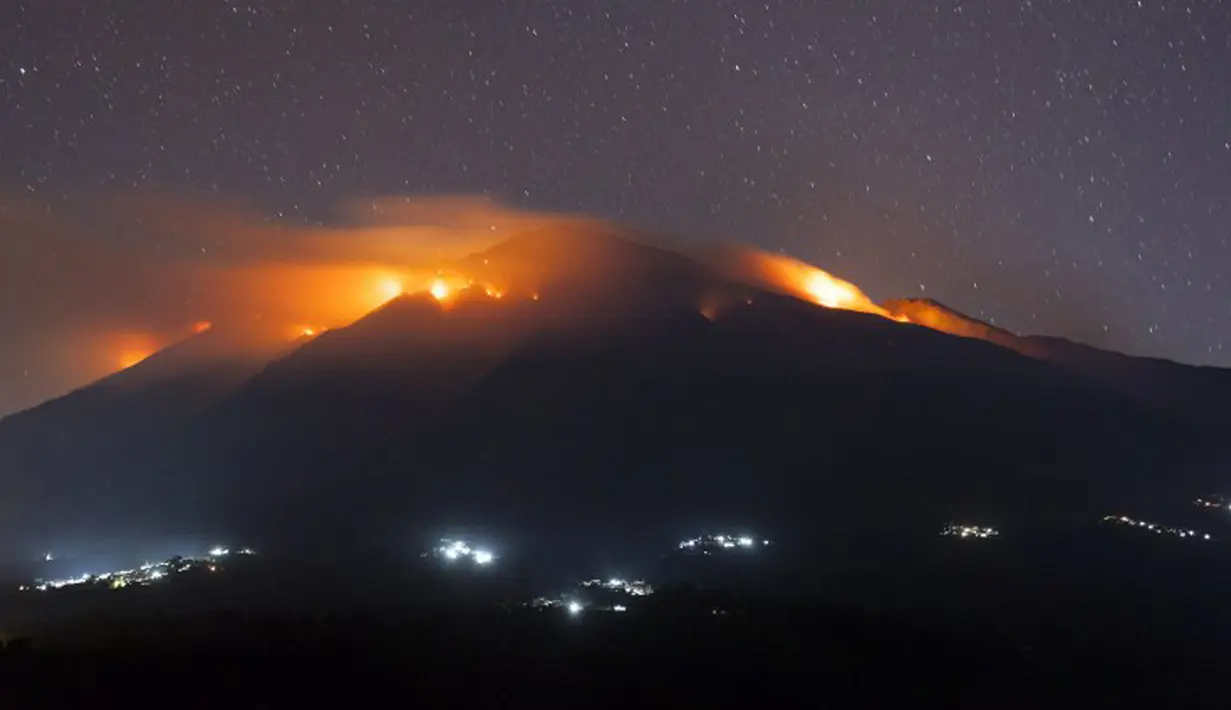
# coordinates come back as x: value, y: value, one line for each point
x: 86, y: 286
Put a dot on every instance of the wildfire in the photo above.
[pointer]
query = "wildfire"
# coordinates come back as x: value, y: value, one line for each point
x: 304, y: 331
x: 132, y: 358
x: 447, y: 285
x: 440, y: 289
x: 202, y: 326
x: 804, y: 281
x: 391, y: 288
x: 829, y: 291
x: 131, y: 349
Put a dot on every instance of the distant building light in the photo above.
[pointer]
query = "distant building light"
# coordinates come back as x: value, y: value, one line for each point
x: 969, y: 532
x: 452, y: 550
x: 1155, y: 527
x: 708, y: 543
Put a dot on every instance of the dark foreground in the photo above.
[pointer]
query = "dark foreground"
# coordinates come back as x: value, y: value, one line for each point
x: 674, y: 651
x: 1108, y: 622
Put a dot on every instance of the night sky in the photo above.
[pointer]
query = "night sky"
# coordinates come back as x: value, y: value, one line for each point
x: 1054, y: 167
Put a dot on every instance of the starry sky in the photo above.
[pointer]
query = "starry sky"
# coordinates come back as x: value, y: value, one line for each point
x: 1051, y: 166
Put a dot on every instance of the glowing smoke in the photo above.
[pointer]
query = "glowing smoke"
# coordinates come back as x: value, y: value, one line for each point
x: 107, y: 283
x: 795, y: 278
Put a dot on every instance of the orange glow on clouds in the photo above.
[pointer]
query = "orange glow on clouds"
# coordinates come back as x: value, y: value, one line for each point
x: 254, y: 276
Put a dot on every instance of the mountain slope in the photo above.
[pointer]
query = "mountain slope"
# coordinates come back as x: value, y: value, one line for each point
x: 1159, y: 382
x: 613, y: 388
x: 729, y: 421
x: 646, y: 410
x: 77, y: 455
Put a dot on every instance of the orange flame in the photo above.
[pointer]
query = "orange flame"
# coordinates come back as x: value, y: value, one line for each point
x: 832, y: 292
x: 810, y: 283
x: 131, y: 349
x: 132, y: 358
x: 202, y: 326
x: 440, y: 290
x: 390, y: 288
x: 304, y: 331
x: 447, y: 285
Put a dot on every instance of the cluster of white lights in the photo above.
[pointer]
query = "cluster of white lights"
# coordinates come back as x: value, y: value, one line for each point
x: 575, y: 607
x: 576, y: 603
x: 969, y: 532
x: 1157, y: 528
x: 145, y: 575
x: 1218, y: 502
x: 454, y: 550
x: 634, y: 588
x: 710, y: 543
x: 226, y: 551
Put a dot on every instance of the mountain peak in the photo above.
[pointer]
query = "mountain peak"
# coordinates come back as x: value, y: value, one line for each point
x: 593, y: 265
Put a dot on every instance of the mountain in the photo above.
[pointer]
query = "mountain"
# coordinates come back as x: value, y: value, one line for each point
x: 613, y: 402
x: 591, y: 388
x: 66, y: 456
x: 1152, y: 380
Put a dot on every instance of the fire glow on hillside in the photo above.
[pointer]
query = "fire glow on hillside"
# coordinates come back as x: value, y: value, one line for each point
x: 132, y: 358
x: 390, y: 288
x: 134, y: 348
x: 796, y: 278
x: 259, y: 279
x: 336, y: 296
x: 816, y: 285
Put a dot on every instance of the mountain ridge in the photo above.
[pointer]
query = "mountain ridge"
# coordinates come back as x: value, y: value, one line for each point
x: 603, y: 384
x: 1157, y: 381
